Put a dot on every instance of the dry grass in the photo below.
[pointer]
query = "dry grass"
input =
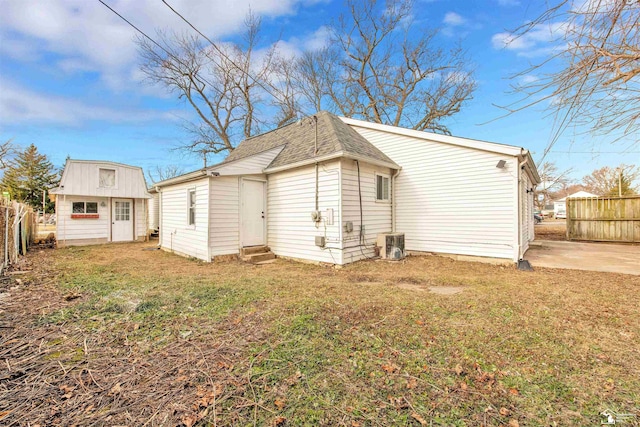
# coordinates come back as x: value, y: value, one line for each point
x: 551, y: 230
x: 158, y: 339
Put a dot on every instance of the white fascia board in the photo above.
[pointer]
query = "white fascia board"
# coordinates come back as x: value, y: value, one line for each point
x: 332, y: 156
x: 493, y: 147
x: 201, y: 173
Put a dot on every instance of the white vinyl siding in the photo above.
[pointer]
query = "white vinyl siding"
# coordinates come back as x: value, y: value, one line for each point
x: 452, y: 199
x: 82, y: 178
x: 175, y: 234
x: 154, y: 212
x: 82, y: 228
x: 376, y: 214
x: 290, y: 201
x: 140, y: 206
x: 224, y: 238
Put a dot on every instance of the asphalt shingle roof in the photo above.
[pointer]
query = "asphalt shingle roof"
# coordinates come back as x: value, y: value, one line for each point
x: 299, y: 139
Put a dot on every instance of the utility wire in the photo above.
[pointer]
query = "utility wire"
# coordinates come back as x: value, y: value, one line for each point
x: 242, y: 70
x: 171, y: 55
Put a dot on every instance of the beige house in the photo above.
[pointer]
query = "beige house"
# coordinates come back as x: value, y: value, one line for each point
x: 100, y: 202
x: 326, y: 188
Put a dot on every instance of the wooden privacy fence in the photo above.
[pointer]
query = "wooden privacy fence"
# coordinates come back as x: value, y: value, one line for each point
x: 17, y: 231
x: 604, y: 219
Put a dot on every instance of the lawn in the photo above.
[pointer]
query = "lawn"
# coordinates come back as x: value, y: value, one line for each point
x: 120, y: 335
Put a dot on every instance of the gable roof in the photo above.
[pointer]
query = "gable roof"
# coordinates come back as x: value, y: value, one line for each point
x: 578, y: 194
x: 298, y: 141
x: 474, y: 144
x: 80, y: 178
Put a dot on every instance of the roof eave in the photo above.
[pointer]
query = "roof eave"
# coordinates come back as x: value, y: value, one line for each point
x: 332, y: 156
x: 191, y: 176
x: 493, y: 147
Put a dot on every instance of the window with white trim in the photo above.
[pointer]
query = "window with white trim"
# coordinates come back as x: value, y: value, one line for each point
x: 382, y: 188
x: 84, y: 208
x: 191, y: 207
x: 106, y: 178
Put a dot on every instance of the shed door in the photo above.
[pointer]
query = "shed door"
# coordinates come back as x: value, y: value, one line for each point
x: 253, y: 213
x: 122, y: 220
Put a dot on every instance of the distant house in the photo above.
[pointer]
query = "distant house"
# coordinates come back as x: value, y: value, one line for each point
x: 100, y: 202
x: 324, y: 188
x: 560, y: 205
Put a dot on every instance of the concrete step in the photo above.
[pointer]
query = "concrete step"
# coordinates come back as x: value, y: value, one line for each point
x: 256, y: 258
x: 254, y: 250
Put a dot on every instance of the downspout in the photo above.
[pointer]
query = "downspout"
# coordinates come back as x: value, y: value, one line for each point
x: 393, y: 200
x: 64, y: 221
x: 315, y: 153
x: 520, y: 213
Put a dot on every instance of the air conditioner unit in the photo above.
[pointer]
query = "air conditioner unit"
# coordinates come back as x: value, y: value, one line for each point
x: 391, y: 245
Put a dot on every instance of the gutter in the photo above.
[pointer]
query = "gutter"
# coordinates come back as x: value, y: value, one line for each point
x: 332, y: 156
x: 192, y: 176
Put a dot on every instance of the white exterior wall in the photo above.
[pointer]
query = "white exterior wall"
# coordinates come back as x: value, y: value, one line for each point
x: 74, y: 229
x: 175, y: 233
x: 154, y: 212
x: 452, y: 199
x: 224, y: 215
x: 141, y: 225
x: 290, y: 201
x: 376, y: 215
x: 77, y: 229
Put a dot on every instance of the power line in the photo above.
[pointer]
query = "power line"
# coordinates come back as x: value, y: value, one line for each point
x: 242, y: 70
x: 171, y: 55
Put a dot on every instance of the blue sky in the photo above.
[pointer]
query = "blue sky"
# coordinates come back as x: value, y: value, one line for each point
x: 70, y: 80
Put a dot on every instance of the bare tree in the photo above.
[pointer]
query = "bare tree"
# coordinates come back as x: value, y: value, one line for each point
x: 224, y: 84
x: 161, y: 173
x: 551, y: 181
x: 595, y: 84
x: 7, y: 152
x: 379, y: 68
x: 605, y: 181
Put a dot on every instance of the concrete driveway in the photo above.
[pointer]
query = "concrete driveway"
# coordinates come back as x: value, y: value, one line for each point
x: 606, y: 257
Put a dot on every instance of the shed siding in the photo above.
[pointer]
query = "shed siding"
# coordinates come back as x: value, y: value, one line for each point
x: 175, y: 233
x: 224, y: 216
x: 81, y: 178
x: 290, y: 201
x: 451, y: 199
x: 376, y: 215
x: 141, y: 218
x: 76, y: 229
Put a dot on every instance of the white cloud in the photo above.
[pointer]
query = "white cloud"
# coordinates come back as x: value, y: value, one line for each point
x: 86, y: 36
x: 20, y: 105
x: 509, y: 2
x: 540, y: 40
x: 453, y: 19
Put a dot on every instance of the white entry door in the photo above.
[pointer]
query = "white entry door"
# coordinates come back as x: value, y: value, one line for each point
x: 122, y: 220
x: 253, y: 213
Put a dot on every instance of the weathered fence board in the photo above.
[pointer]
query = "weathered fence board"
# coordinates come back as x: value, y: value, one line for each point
x: 17, y: 231
x: 604, y: 219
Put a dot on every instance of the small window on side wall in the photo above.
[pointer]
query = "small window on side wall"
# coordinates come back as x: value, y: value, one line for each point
x: 107, y: 178
x: 382, y: 188
x: 191, y: 207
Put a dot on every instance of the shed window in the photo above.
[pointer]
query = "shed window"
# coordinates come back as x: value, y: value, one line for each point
x: 85, y: 207
x: 191, y: 207
x: 107, y: 178
x: 382, y: 187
